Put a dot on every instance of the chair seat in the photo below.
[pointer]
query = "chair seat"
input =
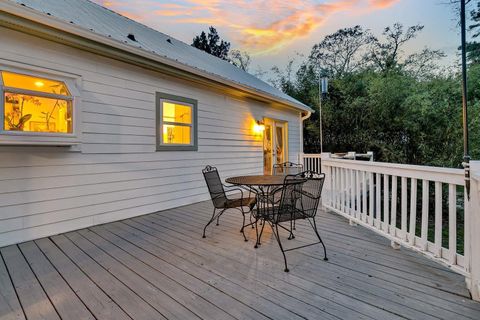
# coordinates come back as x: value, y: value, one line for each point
x: 283, y: 216
x: 241, y: 202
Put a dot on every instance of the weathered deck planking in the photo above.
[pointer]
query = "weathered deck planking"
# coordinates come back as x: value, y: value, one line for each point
x: 158, y: 267
x: 10, y: 308
x: 335, y: 284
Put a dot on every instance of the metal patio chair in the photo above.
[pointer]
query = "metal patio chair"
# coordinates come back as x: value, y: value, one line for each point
x: 221, y: 202
x: 298, y: 201
x: 287, y: 168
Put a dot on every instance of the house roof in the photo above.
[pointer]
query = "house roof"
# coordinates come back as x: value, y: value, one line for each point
x: 96, y: 20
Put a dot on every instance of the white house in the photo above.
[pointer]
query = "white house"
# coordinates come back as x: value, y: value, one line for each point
x: 104, y: 119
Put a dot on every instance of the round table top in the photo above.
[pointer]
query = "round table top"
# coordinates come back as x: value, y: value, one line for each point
x: 261, y: 180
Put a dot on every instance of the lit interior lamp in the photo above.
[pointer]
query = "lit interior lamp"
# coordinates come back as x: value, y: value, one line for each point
x: 39, y: 84
x: 259, y: 127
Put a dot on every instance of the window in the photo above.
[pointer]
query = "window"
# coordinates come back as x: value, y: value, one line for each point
x: 176, y: 123
x: 35, y: 105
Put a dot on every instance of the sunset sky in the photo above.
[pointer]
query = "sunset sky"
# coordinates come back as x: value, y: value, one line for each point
x: 273, y: 31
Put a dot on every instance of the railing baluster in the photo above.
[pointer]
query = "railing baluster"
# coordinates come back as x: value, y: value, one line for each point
x: 371, y: 196
x: 425, y: 202
x: 351, y: 193
x: 413, y: 210
x: 466, y: 230
x: 386, y: 201
x: 342, y: 189
x: 364, y: 196
x: 358, y: 200
x: 438, y: 219
x: 378, y: 208
x: 404, y: 208
x: 452, y: 223
x: 329, y: 173
x: 337, y: 191
x: 393, y: 224
x: 347, y: 191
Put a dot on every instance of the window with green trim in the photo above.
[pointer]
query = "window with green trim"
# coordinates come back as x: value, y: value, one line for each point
x: 176, y: 123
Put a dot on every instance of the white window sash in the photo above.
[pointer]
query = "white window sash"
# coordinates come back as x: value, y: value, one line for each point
x: 178, y: 124
x: 6, y: 89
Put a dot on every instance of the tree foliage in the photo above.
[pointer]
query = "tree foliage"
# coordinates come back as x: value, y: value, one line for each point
x: 240, y: 59
x: 212, y: 44
x: 403, y: 107
x: 341, y: 52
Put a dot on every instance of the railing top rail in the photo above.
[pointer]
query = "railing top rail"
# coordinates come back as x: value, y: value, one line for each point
x: 445, y: 175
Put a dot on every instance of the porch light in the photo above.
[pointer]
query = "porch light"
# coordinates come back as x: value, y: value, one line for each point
x: 39, y: 84
x: 258, y: 127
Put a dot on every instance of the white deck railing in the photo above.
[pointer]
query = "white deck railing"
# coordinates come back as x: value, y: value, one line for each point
x: 407, y: 204
x: 312, y: 161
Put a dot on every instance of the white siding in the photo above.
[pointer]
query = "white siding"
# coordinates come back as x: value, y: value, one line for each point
x: 118, y: 174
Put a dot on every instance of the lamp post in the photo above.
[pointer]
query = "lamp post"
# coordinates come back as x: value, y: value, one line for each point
x: 322, y: 93
x: 466, y: 147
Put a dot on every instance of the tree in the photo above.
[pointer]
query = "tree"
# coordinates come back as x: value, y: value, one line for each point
x: 240, y: 59
x: 423, y: 64
x: 473, y: 47
x: 385, y: 55
x: 212, y: 44
x: 402, y: 107
x: 341, y: 52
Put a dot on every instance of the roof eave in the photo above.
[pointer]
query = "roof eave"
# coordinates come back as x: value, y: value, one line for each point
x: 64, y: 27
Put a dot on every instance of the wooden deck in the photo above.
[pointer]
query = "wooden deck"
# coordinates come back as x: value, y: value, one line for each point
x: 158, y: 266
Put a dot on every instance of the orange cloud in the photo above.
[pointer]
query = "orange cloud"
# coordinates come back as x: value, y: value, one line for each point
x: 259, y: 26
x: 382, y: 4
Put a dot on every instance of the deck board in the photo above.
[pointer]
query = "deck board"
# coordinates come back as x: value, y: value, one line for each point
x: 331, y: 280
x: 158, y: 267
x: 34, y: 300
x: 66, y: 302
x: 10, y: 308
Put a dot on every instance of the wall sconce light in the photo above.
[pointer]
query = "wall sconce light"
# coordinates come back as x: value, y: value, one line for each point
x: 259, y: 127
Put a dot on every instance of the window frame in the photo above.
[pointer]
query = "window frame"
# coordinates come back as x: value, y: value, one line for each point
x: 9, y: 137
x: 160, y: 145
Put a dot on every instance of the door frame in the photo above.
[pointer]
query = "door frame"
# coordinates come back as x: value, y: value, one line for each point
x: 273, y: 122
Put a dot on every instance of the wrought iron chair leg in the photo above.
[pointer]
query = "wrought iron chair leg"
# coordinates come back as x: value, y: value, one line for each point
x: 243, y: 226
x: 319, y: 238
x: 256, y: 231
x: 277, y: 236
x: 291, y: 235
x: 261, y: 233
x: 211, y: 220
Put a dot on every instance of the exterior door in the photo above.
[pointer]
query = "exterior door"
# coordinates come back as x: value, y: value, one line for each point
x: 275, y: 148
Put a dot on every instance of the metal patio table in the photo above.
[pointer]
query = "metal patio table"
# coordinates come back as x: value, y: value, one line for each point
x: 264, y: 187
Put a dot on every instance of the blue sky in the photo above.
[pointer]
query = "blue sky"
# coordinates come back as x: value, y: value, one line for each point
x: 274, y: 31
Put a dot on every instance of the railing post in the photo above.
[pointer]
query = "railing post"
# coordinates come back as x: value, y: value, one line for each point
x: 473, y: 233
x: 300, y: 158
x: 327, y: 185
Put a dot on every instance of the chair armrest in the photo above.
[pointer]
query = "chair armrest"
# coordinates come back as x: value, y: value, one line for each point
x: 234, y: 189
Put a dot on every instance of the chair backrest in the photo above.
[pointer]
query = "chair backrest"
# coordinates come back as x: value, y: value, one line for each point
x: 311, y: 193
x: 287, y: 168
x: 290, y: 192
x: 215, y: 186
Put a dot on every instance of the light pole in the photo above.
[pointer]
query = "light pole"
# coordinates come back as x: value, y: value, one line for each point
x: 322, y: 93
x: 466, y: 147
